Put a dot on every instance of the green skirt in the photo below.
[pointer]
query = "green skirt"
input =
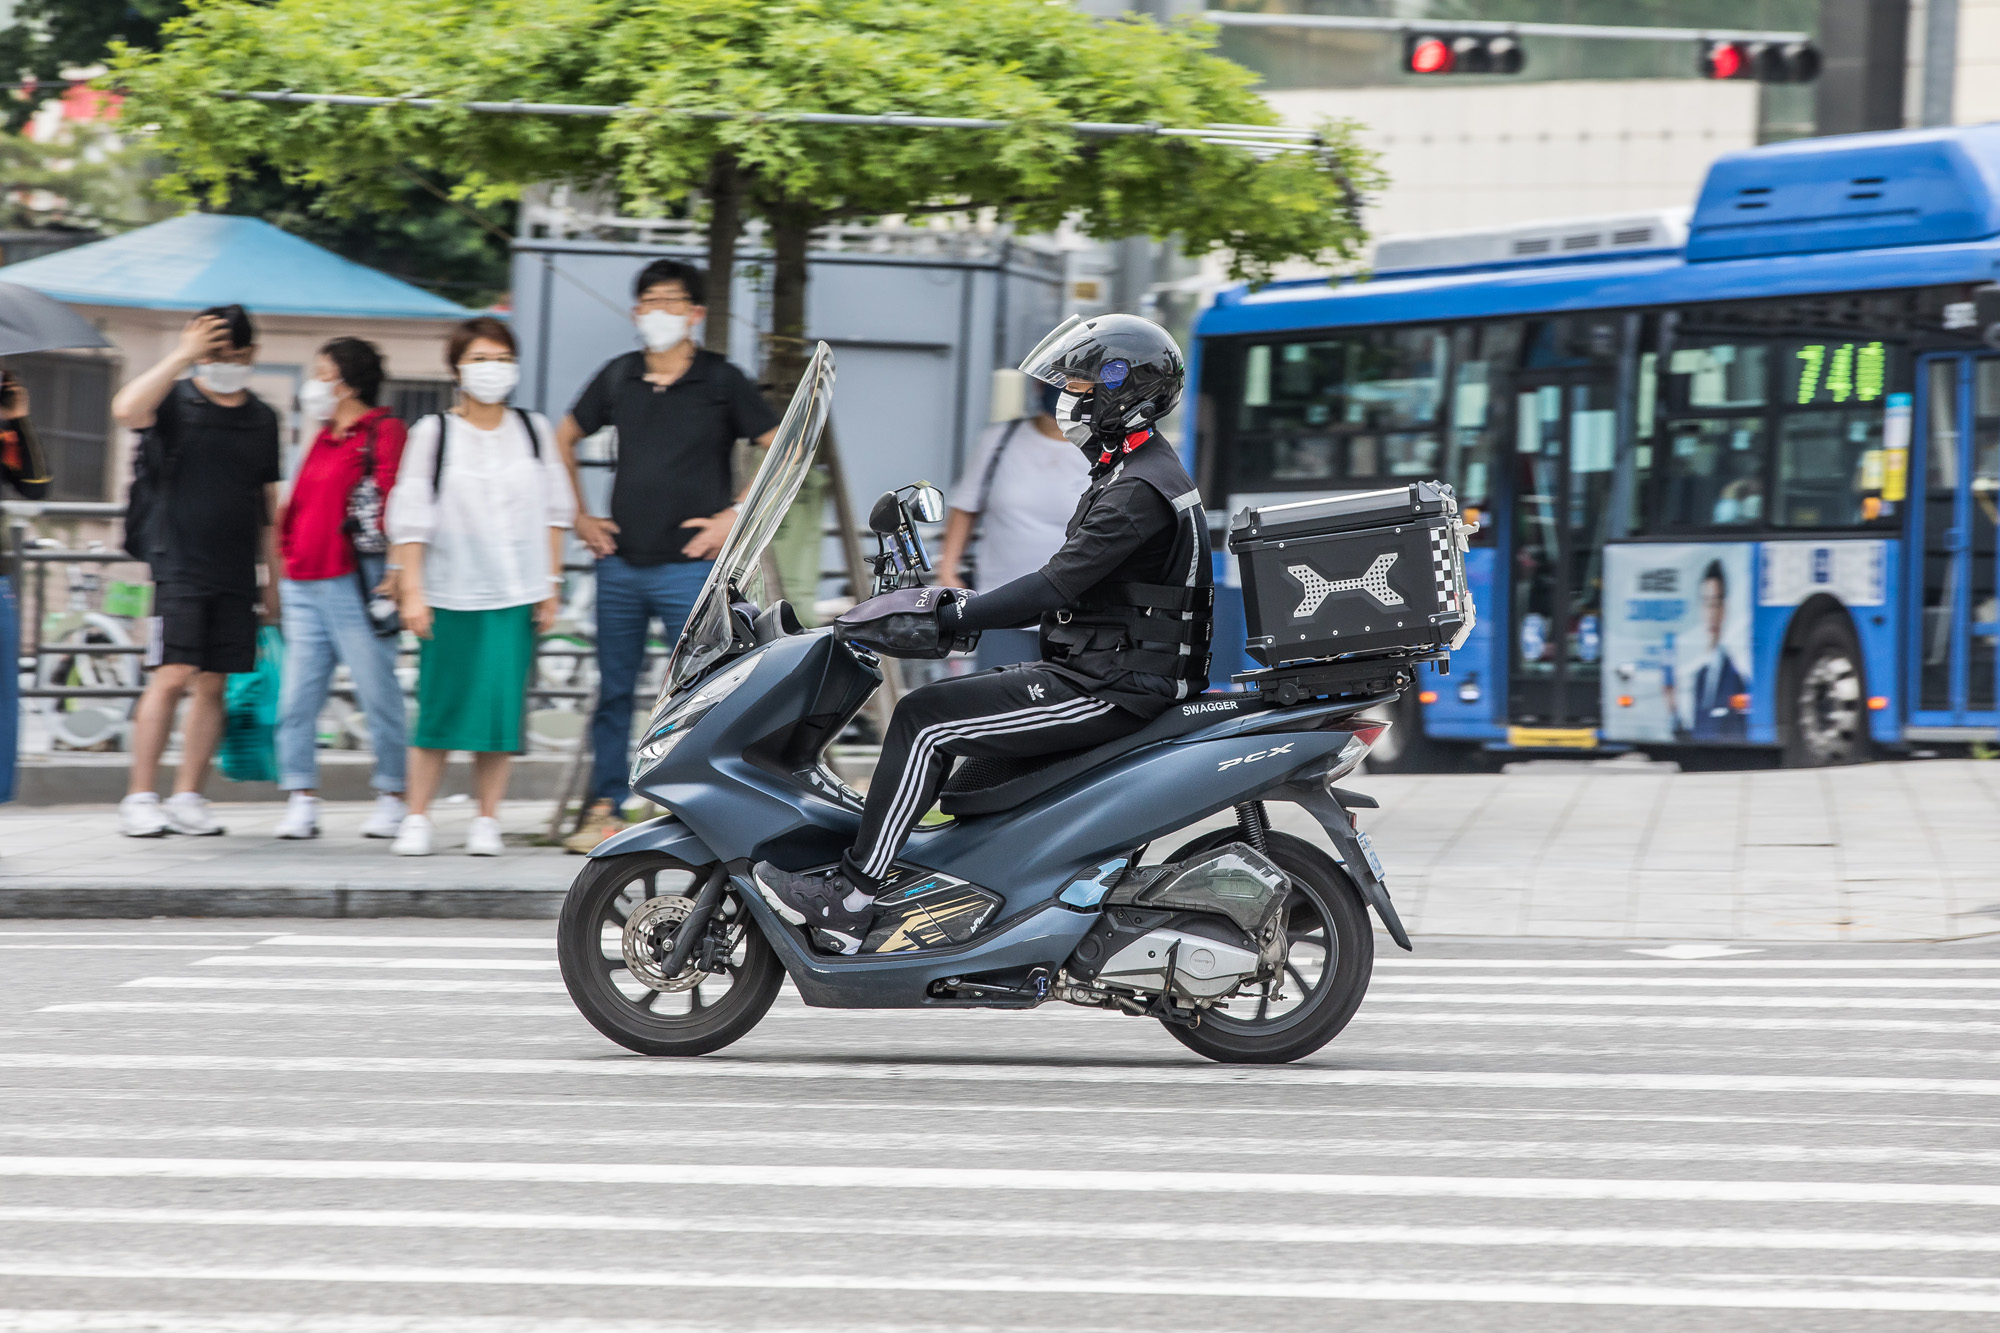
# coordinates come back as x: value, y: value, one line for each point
x: 472, y: 680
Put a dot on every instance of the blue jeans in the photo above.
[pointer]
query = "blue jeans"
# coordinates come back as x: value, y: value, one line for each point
x: 10, y: 689
x: 325, y: 623
x: 628, y: 597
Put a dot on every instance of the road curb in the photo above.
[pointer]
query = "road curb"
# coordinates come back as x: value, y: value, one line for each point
x: 113, y: 900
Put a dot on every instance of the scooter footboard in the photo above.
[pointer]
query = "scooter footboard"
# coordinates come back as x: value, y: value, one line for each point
x: 1045, y: 936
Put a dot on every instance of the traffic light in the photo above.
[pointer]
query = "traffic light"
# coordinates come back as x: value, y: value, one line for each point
x: 1462, y: 53
x: 1761, y: 62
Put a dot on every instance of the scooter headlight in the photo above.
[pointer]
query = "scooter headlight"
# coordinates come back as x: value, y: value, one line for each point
x: 676, y: 717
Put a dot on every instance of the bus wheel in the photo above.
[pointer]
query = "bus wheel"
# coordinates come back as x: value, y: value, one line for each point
x: 1823, y: 701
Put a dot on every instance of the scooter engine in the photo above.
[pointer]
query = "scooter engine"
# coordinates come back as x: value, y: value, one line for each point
x: 1197, y: 930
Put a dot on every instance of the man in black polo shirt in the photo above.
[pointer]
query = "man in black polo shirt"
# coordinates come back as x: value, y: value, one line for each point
x: 678, y: 411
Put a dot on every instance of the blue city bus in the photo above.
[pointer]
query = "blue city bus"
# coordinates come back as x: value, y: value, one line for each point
x: 1736, y: 470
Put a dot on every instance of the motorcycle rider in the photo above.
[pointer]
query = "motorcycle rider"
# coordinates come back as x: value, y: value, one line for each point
x: 1125, y: 608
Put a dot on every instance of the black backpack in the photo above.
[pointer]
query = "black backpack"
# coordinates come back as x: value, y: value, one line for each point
x: 146, y: 505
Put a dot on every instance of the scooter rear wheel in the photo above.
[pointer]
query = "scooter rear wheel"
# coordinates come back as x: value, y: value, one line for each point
x: 1331, y: 957
x: 702, y: 1012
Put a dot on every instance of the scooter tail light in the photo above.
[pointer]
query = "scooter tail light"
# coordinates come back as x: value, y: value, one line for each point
x: 1354, y: 750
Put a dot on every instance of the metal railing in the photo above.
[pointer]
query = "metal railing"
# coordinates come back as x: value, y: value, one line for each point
x: 30, y: 557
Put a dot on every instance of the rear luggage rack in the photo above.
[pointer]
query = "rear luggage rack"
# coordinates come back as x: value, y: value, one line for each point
x: 1359, y: 678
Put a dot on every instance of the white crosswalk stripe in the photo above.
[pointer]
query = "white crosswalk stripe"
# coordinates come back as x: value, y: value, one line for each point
x: 347, y: 1111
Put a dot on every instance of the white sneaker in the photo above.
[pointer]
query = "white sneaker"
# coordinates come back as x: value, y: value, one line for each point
x: 301, y: 818
x: 187, y: 812
x: 140, y: 816
x: 414, y: 837
x: 483, y: 838
x: 387, y: 821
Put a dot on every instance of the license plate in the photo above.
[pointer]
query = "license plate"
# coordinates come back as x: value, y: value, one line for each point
x: 1374, y: 861
x: 1552, y: 738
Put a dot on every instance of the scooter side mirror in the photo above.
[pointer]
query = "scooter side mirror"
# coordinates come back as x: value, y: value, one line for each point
x: 927, y: 503
x: 887, y: 515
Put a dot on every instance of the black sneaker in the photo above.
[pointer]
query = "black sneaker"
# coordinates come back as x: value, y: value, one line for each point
x: 818, y: 902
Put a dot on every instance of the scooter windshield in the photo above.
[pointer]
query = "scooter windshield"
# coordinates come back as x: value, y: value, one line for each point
x: 739, y: 568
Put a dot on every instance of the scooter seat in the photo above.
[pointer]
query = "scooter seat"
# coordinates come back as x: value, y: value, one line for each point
x: 989, y: 786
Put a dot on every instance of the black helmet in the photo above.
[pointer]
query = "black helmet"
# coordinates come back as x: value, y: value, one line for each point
x: 1133, y: 365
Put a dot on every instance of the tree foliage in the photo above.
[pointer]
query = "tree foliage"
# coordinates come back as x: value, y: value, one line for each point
x: 87, y: 180
x: 50, y: 36
x: 1034, y: 63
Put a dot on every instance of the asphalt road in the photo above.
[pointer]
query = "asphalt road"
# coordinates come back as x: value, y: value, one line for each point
x: 386, y: 1127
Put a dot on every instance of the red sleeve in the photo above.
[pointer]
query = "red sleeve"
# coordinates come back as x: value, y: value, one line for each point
x: 390, y: 437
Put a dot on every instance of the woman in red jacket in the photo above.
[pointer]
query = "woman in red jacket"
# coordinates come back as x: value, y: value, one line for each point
x: 330, y: 534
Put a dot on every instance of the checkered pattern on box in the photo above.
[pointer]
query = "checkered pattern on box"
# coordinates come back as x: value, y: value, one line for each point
x: 1442, y: 551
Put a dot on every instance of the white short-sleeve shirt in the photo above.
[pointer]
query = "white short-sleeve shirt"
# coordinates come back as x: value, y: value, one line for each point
x: 488, y: 524
x: 1034, y: 492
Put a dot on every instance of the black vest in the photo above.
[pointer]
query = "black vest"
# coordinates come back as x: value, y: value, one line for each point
x: 1157, y: 627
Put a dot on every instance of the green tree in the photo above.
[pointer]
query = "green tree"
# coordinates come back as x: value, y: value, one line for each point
x: 420, y: 237
x: 87, y: 180
x: 50, y: 36
x: 1033, y: 64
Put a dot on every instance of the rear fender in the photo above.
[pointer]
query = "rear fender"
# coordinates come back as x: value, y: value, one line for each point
x: 664, y: 834
x: 1322, y: 805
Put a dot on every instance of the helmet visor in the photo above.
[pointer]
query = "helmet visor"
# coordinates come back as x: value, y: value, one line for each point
x: 1068, y: 353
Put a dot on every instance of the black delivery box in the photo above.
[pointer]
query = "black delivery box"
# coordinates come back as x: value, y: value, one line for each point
x: 1378, y: 573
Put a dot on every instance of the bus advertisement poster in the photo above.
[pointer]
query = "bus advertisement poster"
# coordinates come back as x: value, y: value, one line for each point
x: 1677, y: 642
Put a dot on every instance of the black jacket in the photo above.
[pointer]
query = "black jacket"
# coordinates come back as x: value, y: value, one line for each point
x: 1126, y: 605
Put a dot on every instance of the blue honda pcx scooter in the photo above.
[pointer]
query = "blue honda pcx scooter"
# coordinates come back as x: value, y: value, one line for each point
x: 1247, y: 944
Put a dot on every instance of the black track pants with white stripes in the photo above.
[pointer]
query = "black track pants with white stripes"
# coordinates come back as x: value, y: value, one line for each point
x: 1013, y: 712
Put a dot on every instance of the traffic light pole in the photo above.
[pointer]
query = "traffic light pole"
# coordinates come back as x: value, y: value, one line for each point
x: 1230, y: 18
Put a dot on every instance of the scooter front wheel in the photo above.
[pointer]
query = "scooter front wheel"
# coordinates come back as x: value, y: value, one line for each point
x: 618, y: 922
x: 1330, y: 958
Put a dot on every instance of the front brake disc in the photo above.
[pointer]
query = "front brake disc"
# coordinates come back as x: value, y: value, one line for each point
x: 649, y: 938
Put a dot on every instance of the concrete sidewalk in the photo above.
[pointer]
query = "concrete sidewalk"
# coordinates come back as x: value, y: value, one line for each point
x: 71, y: 861
x: 1894, y: 851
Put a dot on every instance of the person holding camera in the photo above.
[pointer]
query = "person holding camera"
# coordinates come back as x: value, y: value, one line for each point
x: 335, y: 556
x: 23, y: 468
x: 22, y: 462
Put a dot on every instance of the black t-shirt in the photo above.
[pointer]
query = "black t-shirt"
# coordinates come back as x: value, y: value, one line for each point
x: 673, y: 446
x: 218, y: 462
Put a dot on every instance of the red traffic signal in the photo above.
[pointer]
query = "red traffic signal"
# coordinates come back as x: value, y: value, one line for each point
x: 1462, y: 53
x: 1763, y: 62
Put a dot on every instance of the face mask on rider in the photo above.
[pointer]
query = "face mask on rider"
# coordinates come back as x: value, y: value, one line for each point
x: 660, y: 329
x: 223, y: 376
x: 1073, y: 414
x: 489, y: 381
x: 317, y: 399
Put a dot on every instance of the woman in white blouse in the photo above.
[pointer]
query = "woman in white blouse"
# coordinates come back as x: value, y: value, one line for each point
x: 477, y: 519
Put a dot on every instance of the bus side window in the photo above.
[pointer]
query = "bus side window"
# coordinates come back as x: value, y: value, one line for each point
x: 1482, y: 364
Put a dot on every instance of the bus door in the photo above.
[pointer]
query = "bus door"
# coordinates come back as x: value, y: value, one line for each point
x: 1953, y: 525
x: 1565, y: 440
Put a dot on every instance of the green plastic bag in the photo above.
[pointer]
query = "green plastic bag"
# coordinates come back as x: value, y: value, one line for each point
x: 249, y: 750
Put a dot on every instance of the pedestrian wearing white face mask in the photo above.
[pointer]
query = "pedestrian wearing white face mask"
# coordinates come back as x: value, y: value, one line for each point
x: 477, y: 521
x: 335, y: 555
x: 204, y: 491
x: 679, y: 411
